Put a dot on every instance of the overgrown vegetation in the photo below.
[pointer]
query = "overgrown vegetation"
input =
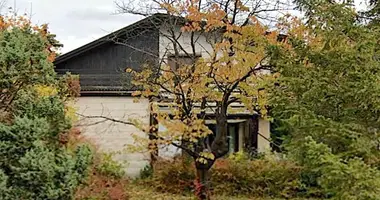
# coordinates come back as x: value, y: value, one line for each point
x: 105, y: 182
x: 34, y: 162
x: 109, y: 167
x: 323, y: 91
x: 327, y: 100
x: 233, y: 176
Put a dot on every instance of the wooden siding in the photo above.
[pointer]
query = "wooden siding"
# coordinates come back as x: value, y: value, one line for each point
x: 103, y: 67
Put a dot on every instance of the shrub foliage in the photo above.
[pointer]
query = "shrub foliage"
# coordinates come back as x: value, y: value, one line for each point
x: 231, y: 177
x: 34, y: 163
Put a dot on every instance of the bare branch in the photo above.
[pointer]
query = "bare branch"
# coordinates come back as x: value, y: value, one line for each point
x: 107, y: 118
x: 194, y: 154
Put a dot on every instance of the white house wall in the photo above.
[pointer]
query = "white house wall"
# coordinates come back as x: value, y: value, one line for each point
x: 263, y: 145
x: 111, y: 137
x: 202, y: 46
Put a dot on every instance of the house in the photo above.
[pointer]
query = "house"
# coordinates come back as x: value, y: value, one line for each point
x: 106, y: 90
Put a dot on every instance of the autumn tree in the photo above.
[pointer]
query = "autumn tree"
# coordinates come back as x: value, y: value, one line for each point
x: 327, y: 99
x: 233, y: 69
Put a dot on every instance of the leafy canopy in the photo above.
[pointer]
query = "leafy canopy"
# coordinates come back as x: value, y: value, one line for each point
x: 327, y: 99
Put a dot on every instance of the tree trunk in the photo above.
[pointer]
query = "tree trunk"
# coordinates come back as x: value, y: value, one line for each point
x: 219, y: 146
x: 202, y: 183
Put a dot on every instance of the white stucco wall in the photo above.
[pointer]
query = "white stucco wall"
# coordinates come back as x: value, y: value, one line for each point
x: 202, y: 46
x: 263, y: 145
x: 110, y: 136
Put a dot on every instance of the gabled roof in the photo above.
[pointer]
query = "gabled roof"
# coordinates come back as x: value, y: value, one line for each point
x: 151, y: 20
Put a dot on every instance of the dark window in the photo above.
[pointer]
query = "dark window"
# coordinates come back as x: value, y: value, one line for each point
x: 233, y: 135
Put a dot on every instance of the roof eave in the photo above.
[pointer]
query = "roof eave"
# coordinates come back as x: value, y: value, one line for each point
x: 105, y: 39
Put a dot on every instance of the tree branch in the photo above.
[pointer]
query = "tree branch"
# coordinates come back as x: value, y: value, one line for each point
x: 107, y: 118
x: 189, y: 151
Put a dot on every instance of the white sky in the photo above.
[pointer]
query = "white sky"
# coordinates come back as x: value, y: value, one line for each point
x: 77, y: 22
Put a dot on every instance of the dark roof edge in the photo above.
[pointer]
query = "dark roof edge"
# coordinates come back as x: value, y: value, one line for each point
x: 105, y: 38
x: 106, y: 93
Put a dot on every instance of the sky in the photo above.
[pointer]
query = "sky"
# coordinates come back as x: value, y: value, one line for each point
x: 75, y: 22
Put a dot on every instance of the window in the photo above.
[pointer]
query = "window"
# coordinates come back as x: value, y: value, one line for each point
x: 233, y: 134
x: 235, y: 131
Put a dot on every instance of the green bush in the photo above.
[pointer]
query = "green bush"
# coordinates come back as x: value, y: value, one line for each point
x: 19, y: 138
x: 350, y: 179
x: 109, y: 167
x: 146, y: 172
x: 30, y: 104
x: 35, y: 169
x: 236, y: 175
x: 34, y: 162
x: 3, y: 184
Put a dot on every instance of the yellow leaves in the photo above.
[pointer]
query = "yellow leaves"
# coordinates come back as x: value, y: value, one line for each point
x: 139, y: 145
x: 204, y: 156
x: 241, y: 6
x: 146, y: 73
x: 128, y: 70
x: 70, y: 112
x: 214, y: 18
x: 136, y: 93
x: 52, y: 56
x: 169, y: 8
x: 202, y: 160
x: 7, y: 22
x: 194, y: 14
x: 256, y: 25
x: 222, y: 46
x: 248, y: 102
x: 147, y: 92
x: 276, y: 75
x: 191, y: 129
x: 44, y: 90
x: 136, y: 100
x: 262, y: 102
x: 272, y: 37
x: 232, y: 60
